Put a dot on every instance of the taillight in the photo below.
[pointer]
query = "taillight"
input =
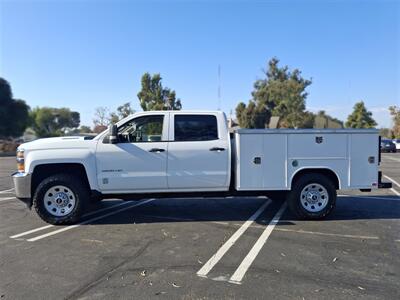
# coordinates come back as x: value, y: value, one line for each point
x: 20, y: 160
x: 379, y: 150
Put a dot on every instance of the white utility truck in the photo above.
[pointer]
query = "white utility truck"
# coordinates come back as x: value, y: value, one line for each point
x: 192, y: 154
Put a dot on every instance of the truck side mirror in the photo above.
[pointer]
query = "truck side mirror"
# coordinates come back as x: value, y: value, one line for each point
x: 113, y: 132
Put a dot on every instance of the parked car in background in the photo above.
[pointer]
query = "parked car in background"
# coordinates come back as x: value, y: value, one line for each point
x: 397, y: 143
x: 387, y: 146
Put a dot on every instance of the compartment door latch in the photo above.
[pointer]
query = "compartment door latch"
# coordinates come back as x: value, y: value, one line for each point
x: 257, y: 160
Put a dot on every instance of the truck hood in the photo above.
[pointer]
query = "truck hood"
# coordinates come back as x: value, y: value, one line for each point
x: 66, y: 142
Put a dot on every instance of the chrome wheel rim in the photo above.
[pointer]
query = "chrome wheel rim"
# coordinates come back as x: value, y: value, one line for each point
x: 314, y: 197
x: 59, y: 201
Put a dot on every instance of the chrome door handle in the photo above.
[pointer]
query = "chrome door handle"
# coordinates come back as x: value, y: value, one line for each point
x: 156, y: 150
x: 217, y: 149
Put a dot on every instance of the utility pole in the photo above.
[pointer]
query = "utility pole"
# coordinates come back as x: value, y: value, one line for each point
x: 219, y: 87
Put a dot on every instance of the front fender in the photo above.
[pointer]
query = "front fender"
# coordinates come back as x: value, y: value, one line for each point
x: 81, y: 156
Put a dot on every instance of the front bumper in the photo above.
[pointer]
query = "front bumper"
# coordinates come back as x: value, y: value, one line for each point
x: 22, y: 185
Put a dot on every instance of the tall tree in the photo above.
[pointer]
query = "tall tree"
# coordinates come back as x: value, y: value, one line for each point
x: 14, y: 113
x: 395, y: 113
x: 113, y: 118
x: 101, y: 117
x: 360, y: 117
x: 323, y: 120
x: 281, y: 93
x: 251, y: 115
x: 153, y: 96
x: 241, y: 115
x: 125, y: 110
x: 49, y: 121
x: 307, y: 120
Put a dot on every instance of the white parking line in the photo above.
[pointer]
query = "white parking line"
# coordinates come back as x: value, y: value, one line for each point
x: 395, y: 182
x: 392, y: 158
x: 30, y: 231
x: 251, y: 256
x: 49, y: 226
x: 6, y: 198
x: 363, y: 237
x: 87, y: 222
x: 395, y: 192
x: 392, y: 180
x: 6, y: 191
x: 229, y: 243
x: 387, y: 198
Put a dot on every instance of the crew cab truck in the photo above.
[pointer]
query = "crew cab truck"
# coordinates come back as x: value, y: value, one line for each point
x: 186, y: 154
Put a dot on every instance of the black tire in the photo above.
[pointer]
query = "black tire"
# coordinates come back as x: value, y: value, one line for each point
x: 294, y: 196
x: 79, y: 190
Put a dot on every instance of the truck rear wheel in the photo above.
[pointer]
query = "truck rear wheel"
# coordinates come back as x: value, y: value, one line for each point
x: 59, y: 199
x: 313, y: 196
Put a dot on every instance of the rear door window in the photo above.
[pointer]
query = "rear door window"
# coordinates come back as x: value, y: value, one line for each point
x: 195, y: 128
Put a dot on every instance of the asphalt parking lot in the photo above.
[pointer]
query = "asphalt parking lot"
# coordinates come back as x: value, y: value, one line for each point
x: 233, y: 248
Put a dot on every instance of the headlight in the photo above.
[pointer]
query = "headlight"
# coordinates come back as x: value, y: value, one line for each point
x: 20, y: 160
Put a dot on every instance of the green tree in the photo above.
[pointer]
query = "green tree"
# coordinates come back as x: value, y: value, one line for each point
x: 85, y: 129
x: 14, y: 113
x: 252, y: 116
x: 49, y: 121
x: 281, y: 93
x: 153, y: 96
x: 307, y: 120
x: 323, y: 120
x: 123, y: 111
x: 386, y: 133
x: 113, y: 118
x: 360, y: 117
x: 241, y: 115
x: 395, y: 113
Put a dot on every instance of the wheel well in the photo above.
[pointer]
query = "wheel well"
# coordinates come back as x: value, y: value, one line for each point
x: 41, y: 172
x: 326, y: 172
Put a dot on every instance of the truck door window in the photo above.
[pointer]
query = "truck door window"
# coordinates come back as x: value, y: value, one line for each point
x: 142, y: 129
x: 195, y: 128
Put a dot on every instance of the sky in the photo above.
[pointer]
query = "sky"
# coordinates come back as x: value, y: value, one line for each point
x: 85, y: 54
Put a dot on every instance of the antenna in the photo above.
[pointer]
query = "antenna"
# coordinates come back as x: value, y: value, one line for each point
x: 219, y: 87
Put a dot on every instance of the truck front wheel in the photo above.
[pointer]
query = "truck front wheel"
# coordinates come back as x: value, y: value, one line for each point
x: 313, y: 196
x: 59, y: 199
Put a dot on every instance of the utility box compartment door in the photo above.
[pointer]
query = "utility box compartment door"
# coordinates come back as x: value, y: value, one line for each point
x: 274, y: 164
x: 261, y: 162
x: 364, y: 156
x: 317, y: 145
x: 249, y: 173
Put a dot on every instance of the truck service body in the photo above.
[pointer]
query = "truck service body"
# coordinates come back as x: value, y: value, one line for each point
x: 192, y: 153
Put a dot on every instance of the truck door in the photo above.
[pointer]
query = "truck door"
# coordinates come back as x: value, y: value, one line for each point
x: 198, y: 153
x: 138, y: 161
